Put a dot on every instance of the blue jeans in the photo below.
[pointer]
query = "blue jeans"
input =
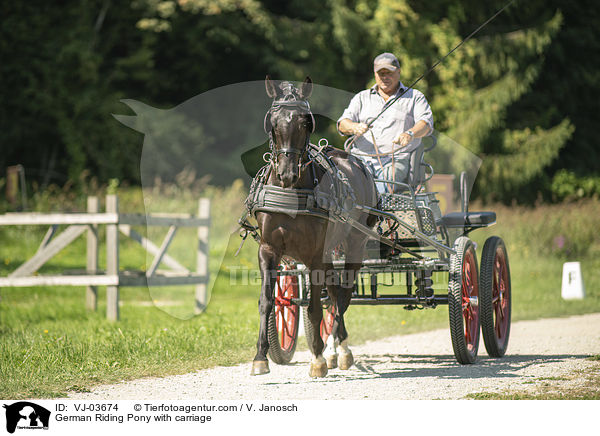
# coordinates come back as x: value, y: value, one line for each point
x: 398, y: 172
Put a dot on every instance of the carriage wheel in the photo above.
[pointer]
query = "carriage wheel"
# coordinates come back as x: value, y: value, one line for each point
x: 463, y: 301
x: 495, y: 297
x: 285, y: 317
x: 326, y: 324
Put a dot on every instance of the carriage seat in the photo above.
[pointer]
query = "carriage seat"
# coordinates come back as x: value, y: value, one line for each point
x: 464, y: 219
x: 417, y: 169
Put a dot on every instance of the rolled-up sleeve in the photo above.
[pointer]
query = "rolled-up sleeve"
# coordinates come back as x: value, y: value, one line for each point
x: 352, y: 112
x: 422, y: 110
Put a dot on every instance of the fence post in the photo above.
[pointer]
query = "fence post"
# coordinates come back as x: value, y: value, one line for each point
x: 112, y: 259
x: 202, y: 256
x: 91, y: 294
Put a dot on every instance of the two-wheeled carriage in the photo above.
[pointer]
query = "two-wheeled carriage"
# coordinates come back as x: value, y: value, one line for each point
x: 426, y: 242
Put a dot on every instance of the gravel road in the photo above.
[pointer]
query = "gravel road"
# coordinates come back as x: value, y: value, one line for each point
x: 417, y: 366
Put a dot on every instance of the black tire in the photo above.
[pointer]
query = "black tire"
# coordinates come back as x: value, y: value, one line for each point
x: 495, y: 297
x: 463, y: 304
x: 326, y: 325
x: 284, y: 321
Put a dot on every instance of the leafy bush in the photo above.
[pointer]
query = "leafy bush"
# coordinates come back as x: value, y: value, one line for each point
x: 566, y: 185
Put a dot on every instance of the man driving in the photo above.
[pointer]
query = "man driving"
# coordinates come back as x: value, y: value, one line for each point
x: 387, y: 145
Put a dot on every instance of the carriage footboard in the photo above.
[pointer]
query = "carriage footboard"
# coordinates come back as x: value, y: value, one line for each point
x: 415, y: 232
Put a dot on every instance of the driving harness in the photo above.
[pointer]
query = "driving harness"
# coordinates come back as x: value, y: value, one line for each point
x: 330, y: 198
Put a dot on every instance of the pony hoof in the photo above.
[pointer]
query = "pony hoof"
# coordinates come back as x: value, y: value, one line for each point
x: 346, y: 360
x: 260, y: 367
x: 332, y: 361
x: 318, y: 368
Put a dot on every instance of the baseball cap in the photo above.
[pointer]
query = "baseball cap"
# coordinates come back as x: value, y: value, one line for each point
x: 386, y: 60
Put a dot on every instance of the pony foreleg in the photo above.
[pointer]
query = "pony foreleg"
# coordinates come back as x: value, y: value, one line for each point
x: 318, y: 364
x: 345, y: 358
x: 268, y: 261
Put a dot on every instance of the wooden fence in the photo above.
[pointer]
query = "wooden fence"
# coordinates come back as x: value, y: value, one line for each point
x: 112, y: 277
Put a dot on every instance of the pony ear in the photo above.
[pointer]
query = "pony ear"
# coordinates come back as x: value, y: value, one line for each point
x: 306, y: 88
x: 270, y: 87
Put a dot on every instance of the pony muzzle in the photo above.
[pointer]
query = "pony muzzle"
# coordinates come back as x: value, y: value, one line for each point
x: 288, y: 176
x: 288, y: 171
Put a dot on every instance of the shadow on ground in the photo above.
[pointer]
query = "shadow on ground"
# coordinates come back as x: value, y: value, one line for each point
x: 445, y: 367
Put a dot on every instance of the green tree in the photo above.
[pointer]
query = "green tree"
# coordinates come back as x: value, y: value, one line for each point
x: 58, y: 93
x: 521, y: 94
x: 475, y: 89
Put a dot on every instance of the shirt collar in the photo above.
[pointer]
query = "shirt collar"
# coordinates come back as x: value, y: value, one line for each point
x: 400, y: 90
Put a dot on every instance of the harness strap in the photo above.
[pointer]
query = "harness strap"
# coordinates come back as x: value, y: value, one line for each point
x: 314, y: 201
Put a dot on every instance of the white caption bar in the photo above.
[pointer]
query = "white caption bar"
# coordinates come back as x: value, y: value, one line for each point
x: 302, y: 417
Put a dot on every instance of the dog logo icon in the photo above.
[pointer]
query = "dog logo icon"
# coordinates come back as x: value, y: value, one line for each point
x: 26, y: 415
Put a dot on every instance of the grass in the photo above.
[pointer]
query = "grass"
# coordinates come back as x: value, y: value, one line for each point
x: 50, y: 344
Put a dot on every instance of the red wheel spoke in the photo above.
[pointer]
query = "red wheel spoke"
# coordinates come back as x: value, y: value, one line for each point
x: 286, y: 325
x: 469, y: 294
x: 286, y: 314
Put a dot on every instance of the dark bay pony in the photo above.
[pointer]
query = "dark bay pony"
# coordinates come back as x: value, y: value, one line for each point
x: 309, y: 239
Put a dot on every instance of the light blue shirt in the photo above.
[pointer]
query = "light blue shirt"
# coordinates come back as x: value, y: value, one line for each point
x: 401, y: 116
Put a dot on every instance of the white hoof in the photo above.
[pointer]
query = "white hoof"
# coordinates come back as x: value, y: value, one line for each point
x: 318, y: 367
x: 332, y: 361
x: 260, y: 367
x: 346, y: 359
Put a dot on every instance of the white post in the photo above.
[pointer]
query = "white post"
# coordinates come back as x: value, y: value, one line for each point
x: 91, y: 294
x: 202, y: 256
x: 112, y: 259
x: 572, y: 282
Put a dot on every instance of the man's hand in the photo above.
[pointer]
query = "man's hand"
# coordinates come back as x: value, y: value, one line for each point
x: 403, y: 140
x: 348, y: 127
x: 420, y: 129
x: 359, y: 129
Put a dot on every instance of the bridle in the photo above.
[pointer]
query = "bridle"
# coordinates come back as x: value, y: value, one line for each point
x: 290, y: 99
